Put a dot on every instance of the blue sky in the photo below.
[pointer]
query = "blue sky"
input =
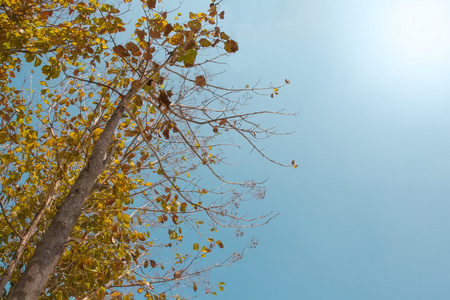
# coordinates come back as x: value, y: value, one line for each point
x: 366, y: 214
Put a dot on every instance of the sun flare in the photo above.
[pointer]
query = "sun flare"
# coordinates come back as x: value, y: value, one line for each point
x: 420, y: 30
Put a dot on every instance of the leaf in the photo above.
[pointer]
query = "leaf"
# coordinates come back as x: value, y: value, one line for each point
x: 38, y: 62
x: 121, y: 51
x: 133, y: 48
x: 200, y: 81
x: 59, y: 295
x: 195, y: 247
x: 163, y: 99
x: 176, y: 39
x: 219, y: 243
x: 147, y: 55
x: 205, y: 249
x: 153, y: 263
x: 287, y: 81
x: 154, y: 34
x: 175, y: 219
x: 204, y: 42
x: 97, y: 131
x: 194, y: 287
x: 140, y: 34
x: 231, y: 46
x: 194, y: 25
x: 222, y: 15
x: 168, y: 29
x: 224, y: 36
x: 189, y: 57
x: 151, y: 4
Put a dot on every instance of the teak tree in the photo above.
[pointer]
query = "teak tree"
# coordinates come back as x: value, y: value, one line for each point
x: 101, y: 167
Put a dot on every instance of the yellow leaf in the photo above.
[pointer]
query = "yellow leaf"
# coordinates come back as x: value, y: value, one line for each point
x: 187, y: 174
x: 97, y: 131
x: 148, y: 184
x: 115, y: 294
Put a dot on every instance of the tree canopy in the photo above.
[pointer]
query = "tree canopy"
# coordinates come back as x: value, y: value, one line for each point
x: 110, y: 128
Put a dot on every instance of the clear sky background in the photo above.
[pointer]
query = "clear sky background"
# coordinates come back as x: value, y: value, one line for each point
x: 366, y: 214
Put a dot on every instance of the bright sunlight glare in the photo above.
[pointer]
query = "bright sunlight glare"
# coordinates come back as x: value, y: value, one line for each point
x: 420, y: 31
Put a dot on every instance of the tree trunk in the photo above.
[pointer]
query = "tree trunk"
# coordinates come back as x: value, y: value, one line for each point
x: 52, y: 245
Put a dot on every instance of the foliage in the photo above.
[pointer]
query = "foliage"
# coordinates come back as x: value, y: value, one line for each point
x: 150, y: 178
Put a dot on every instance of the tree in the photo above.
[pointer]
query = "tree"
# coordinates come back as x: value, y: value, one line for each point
x: 109, y: 153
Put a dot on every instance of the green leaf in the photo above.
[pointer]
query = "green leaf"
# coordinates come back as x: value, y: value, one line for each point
x: 189, y: 57
x: 59, y: 295
x: 38, y: 62
x: 204, y: 42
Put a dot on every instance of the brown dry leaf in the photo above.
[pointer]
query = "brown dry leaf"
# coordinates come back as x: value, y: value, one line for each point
x: 200, y: 80
x: 121, y: 51
x: 153, y: 263
x: 147, y: 55
x: 151, y: 4
x: 231, y: 46
x: 166, y: 133
x: 140, y: 34
x: 168, y: 29
x: 175, y: 219
x: 164, y: 99
x: 89, y: 50
x: 154, y: 34
x: 132, y: 47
